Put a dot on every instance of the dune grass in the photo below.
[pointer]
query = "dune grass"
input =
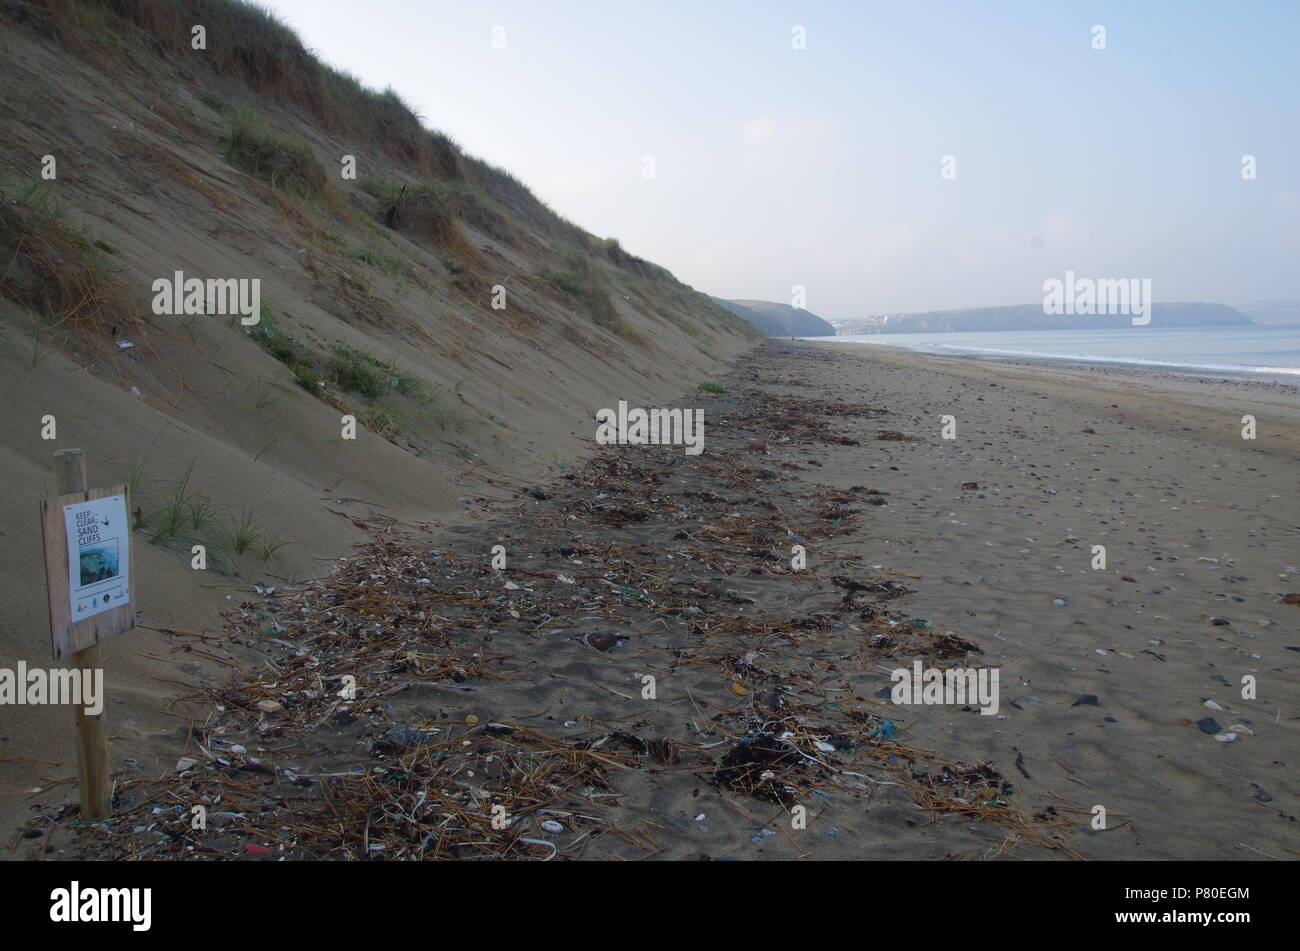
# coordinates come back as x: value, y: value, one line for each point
x: 580, y: 282
x: 345, y: 370
x: 283, y: 162
x: 56, y: 273
x: 181, y: 516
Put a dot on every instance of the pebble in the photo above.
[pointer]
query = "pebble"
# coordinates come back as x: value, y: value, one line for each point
x: 551, y: 826
x: 269, y: 706
x: 1208, y: 725
x: 1086, y: 699
x: 405, y: 736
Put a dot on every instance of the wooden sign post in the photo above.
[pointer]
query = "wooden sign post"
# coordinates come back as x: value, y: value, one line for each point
x: 87, y: 571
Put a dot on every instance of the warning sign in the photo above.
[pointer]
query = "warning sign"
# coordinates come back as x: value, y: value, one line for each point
x: 99, y: 557
x: 87, y: 567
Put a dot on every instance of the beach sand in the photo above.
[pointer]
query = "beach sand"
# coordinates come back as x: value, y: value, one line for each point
x: 1204, y: 522
x: 687, y: 560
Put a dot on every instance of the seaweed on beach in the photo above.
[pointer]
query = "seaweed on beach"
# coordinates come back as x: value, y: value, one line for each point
x: 368, y: 730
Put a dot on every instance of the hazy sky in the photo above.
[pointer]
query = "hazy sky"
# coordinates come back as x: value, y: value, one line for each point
x: 820, y: 167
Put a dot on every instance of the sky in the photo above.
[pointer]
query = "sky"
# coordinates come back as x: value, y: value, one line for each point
x: 822, y: 167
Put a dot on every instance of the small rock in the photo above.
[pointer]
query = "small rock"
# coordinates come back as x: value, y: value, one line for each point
x: 1225, y: 737
x: 403, y: 736
x: 1213, y: 705
x: 269, y: 706
x: 551, y: 826
x: 1086, y: 699
x: 184, y: 763
x: 1208, y: 725
x: 603, y: 642
x: 1220, y: 621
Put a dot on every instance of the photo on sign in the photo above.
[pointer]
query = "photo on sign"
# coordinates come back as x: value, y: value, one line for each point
x: 98, y: 535
x: 99, y: 563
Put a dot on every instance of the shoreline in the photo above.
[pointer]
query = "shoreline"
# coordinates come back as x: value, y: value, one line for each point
x: 1269, y: 378
x: 1213, y: 405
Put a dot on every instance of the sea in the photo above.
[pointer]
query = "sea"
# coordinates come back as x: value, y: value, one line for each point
x: 1264, y: 351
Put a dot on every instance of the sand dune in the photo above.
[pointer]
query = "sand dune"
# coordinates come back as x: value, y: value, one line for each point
x: 472, y: 399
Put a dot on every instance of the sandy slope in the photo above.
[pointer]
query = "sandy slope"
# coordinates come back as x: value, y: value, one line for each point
x: 139, y: 147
